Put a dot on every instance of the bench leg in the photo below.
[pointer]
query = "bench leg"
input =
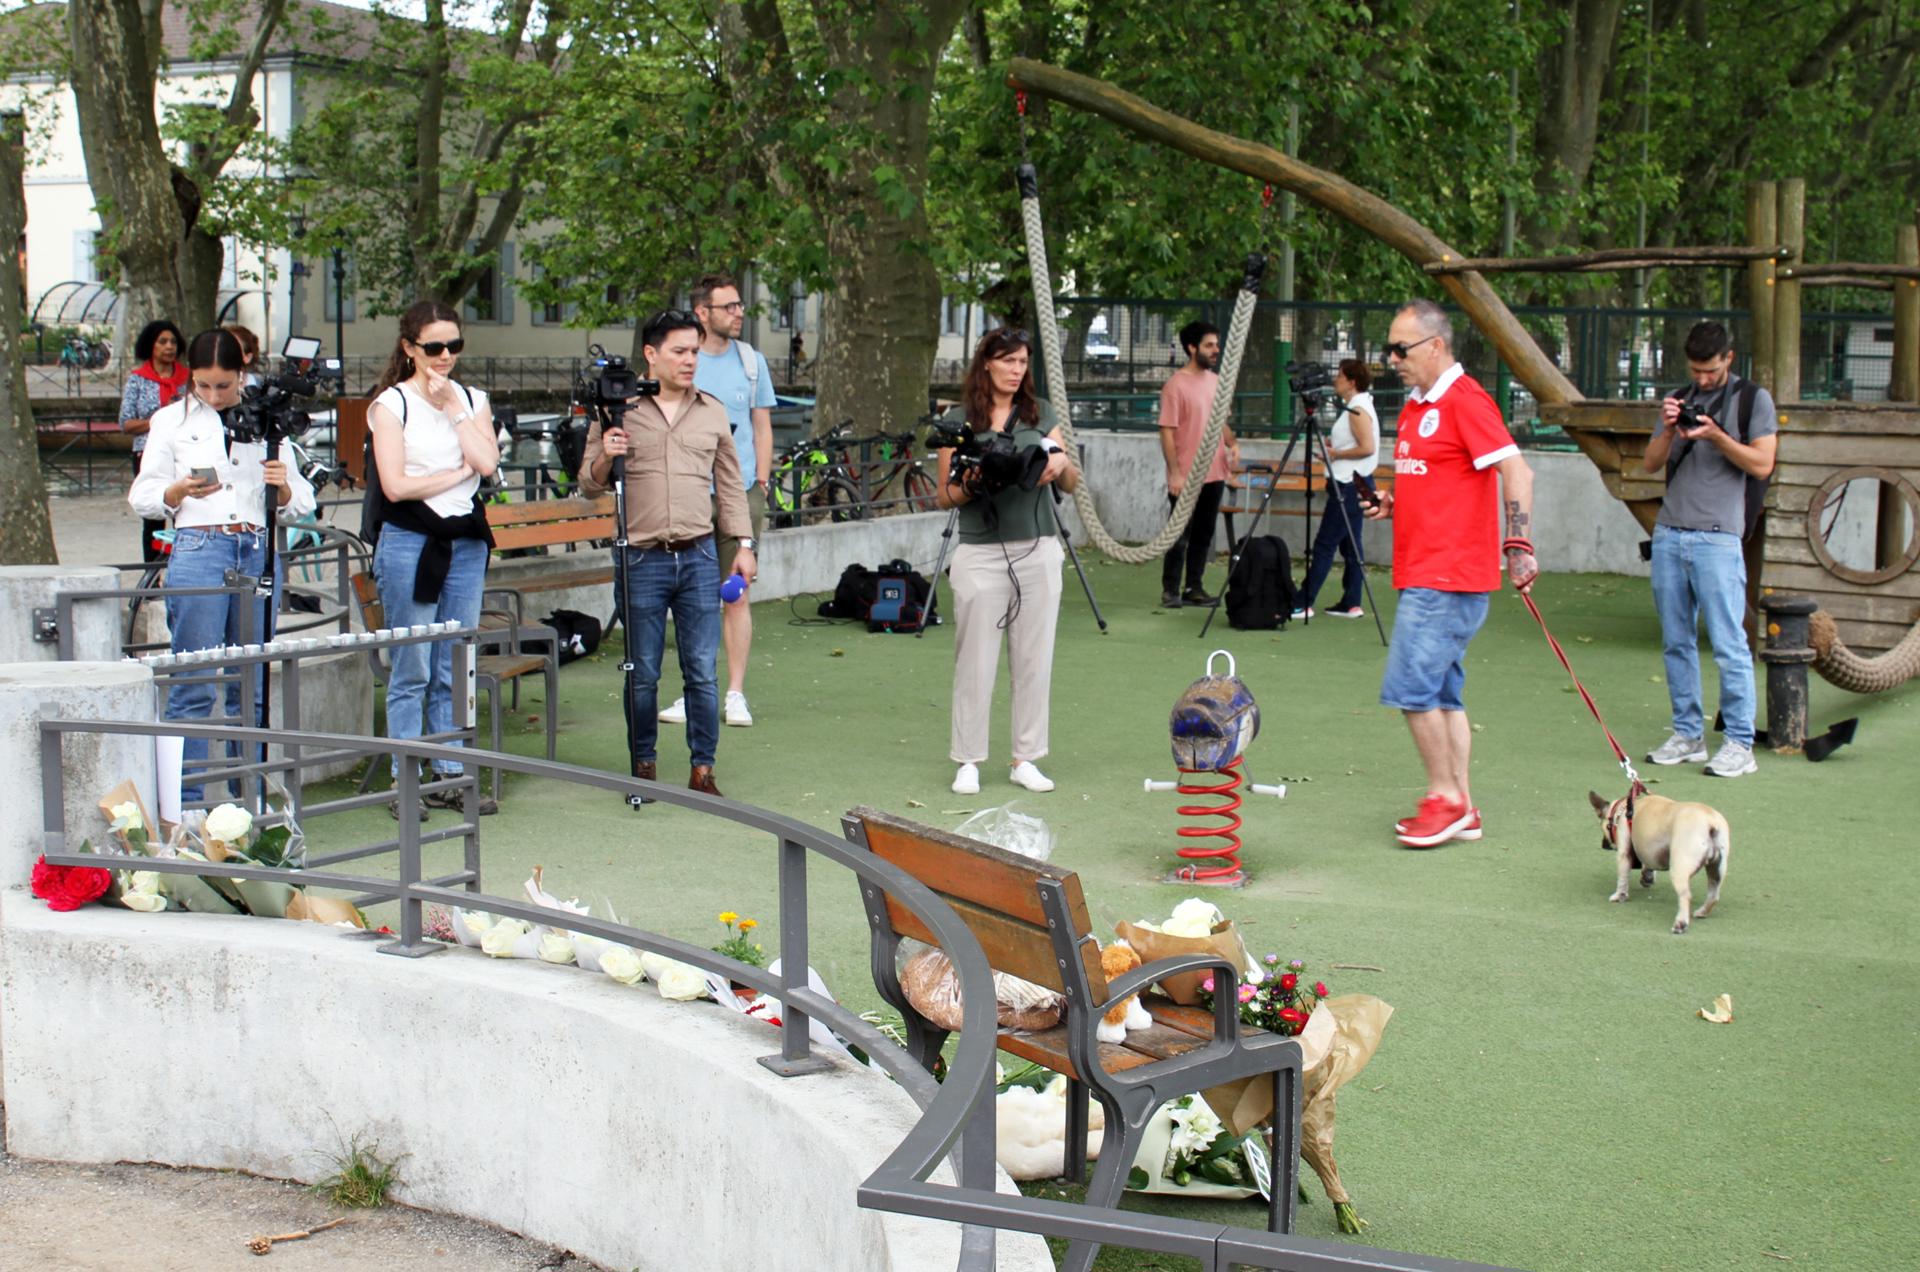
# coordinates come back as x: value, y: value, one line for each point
x: 1076, y: 1163
x: 1118, y: 1147
x: 1283, y: 1173
x: 553, y: 708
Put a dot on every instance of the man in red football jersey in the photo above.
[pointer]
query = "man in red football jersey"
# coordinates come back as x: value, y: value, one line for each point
x: 1447, y: 514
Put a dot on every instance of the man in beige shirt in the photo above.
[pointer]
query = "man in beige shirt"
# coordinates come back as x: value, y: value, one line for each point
x: 677, y: 447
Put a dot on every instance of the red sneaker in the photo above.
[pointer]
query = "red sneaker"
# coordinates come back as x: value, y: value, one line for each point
x: 1471, y: 832
x: 1438, y: 820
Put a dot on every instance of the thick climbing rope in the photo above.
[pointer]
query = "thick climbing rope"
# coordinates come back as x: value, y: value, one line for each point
x: 1043, y: 306
x: 1857, y: 673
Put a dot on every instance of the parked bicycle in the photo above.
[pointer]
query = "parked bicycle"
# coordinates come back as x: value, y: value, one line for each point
x: 812, y: 472
x: 895, y: 452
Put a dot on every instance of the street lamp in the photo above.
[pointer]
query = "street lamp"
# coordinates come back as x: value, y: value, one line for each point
x: 339, y: 302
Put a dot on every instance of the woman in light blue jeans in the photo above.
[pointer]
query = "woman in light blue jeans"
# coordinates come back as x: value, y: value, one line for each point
x: 214, y: 490
x: 432, y: 443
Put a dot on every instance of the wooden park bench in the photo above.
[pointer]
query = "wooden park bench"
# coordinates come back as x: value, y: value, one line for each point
x: 1031, y: 920
x: 572, y: 523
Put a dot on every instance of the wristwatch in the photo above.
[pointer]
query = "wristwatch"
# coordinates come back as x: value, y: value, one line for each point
x: 749, y: 543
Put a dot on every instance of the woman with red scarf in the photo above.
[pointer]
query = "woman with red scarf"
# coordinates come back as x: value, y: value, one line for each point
x: 158, y: 381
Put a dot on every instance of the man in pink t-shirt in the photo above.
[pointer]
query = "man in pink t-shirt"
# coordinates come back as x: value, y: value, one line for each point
x: 1186, y: 400
x: 1447, y: 547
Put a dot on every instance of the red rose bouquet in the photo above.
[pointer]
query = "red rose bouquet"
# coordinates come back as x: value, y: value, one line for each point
x: 69, y: 887
x: 1280, y: 1002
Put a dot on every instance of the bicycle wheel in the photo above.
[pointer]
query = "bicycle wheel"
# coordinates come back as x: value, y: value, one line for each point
x: 842, y: 500
x: 918, y: 486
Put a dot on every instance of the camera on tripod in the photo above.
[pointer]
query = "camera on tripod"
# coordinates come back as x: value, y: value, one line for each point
x: 990, y: 463
x: 1310, y: 380
x: 551, y: 441
x: 606, y: 382
x: 269, y: 411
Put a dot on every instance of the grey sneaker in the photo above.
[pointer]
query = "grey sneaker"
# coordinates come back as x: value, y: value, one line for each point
x: 1679, y: 750
x: 1731, y: 760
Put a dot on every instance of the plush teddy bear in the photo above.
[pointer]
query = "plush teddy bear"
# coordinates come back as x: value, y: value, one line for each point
x: 1117, y: 960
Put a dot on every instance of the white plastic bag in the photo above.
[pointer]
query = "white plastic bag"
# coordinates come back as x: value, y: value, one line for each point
x: 1009, y: 828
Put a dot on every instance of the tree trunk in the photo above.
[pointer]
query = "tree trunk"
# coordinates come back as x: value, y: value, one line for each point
x: 203, y: 259
x: 113, y: 89
x: 26, y: 531
x: 1573, y: 76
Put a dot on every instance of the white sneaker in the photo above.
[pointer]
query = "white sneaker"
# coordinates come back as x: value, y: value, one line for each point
x: 967, y: 780
x: 736, y: 711
x: 1303, y: 613
x: 1732, y: 760
x: 1679, y: 750
x: 1025, y: 774
x: 675, y: 714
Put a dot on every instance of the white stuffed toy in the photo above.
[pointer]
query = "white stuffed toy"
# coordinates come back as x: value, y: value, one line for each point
x: 1117, y: 960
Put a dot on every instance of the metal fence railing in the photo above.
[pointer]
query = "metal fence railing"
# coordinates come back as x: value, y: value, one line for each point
x: 957, y: 1113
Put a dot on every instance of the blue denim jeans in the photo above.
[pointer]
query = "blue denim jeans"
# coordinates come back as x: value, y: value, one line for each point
x: 420, y: 684
x: 1334, y: 537
x: 1426, y: 662
x: 688, y: 584
x: 201, y: 558
x: 1701, y: 575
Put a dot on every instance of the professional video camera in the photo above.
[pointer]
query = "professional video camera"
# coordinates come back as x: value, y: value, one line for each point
x: 1310, y: 380
x: 606, y: 382
x: 267, y: 413
x: 988, y: 463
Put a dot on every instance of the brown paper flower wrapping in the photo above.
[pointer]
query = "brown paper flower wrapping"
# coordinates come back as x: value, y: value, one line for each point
x: 1224, y: 942
x: 1359, y: 1022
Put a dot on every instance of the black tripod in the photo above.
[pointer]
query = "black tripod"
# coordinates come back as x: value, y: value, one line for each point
x: 1308, y: 427
x: 1066, y: 538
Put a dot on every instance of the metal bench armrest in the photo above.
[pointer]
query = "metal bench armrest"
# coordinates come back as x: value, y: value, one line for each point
x: 1226, y: 1003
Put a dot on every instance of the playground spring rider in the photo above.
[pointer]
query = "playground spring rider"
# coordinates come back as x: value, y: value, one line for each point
x: 1212, y: 724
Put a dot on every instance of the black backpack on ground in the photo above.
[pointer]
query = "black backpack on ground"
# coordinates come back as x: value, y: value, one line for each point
x: 860, y: 588
x: 1260, y: 593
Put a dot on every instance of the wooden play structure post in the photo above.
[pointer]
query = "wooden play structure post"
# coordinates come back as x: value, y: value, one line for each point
x: 1763, y: 230
x: 1786, y: 292
x: 1904, y: 385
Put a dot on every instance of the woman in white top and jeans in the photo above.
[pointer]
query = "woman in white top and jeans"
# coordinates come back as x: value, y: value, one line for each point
x: 433, y: 442
x: 214, y: 491
x: 1354, y: 444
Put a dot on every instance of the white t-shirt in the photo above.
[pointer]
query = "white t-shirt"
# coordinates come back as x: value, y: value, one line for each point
x: 1341, y: 437
x: 432, y: 445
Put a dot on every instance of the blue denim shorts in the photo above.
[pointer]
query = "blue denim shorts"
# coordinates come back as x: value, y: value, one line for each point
x: 1426, y: 663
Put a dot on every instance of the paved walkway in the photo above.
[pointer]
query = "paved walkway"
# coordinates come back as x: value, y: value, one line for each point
x: 157, y: 1219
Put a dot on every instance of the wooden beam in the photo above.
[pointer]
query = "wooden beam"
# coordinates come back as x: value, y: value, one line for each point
x: 1834, y: 280
x: 1904, y: 385
x: 1786, y: 293
x: 1612, y: 258
x: 1852, y: 269
x: 1333, y: 193
x: 1763, y: 223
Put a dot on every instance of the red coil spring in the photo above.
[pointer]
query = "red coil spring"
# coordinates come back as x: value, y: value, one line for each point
x: 1225, y: 858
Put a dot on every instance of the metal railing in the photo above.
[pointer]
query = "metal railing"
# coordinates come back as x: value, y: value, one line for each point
x: 957, y: 1114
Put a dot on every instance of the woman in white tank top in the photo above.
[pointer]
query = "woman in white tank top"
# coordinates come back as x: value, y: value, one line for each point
x: 1354, y: 446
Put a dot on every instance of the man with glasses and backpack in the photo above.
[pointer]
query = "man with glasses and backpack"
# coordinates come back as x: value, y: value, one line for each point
x: 1716, y: 441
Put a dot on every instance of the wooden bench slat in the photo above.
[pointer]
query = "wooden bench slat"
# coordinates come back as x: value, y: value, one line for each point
x: 507, y: 666
x: 561, y: 580
x: 1049, y: 1050
x: 539, y: 510
x: 966, y: 868
x: 540, y: 535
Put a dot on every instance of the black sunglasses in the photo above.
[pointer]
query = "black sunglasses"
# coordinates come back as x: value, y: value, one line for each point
x: 434, y: 348
x: 1400, y: 348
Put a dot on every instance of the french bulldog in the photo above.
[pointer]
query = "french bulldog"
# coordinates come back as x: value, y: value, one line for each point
x: 1665, y: 834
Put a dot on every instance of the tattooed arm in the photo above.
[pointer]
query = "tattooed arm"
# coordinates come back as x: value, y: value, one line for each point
x: 1516, y: 492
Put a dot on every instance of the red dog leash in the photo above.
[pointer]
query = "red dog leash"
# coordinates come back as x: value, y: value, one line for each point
x: 1635, y: 787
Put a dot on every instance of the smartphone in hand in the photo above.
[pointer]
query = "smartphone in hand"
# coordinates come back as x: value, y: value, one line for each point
x: 1363, y: 487
x: 206, y: 476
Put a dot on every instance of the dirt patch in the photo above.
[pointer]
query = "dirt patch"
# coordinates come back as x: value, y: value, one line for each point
x: 158, y: 1219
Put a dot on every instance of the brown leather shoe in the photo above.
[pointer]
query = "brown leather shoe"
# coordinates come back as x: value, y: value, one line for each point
x: 645, y: 771
x: 702, y: 780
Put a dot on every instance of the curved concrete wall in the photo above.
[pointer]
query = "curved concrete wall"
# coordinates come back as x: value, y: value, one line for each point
x: 550, y: 1101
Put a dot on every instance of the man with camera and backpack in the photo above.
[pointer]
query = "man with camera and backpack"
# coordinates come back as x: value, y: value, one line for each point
x: 1716, y: 441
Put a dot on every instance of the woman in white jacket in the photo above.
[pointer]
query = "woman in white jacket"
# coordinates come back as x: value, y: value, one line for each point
x: 213, y: 491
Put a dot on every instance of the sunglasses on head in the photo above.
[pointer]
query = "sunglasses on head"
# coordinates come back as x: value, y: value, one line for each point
x: 434, y: 348
x: 1400, y: 348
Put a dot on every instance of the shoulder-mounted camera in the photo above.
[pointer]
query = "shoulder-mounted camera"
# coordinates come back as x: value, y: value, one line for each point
x: 988, y: 463
x: 269, y: 411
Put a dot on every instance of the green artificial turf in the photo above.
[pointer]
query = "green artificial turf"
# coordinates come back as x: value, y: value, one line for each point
x: 1545, y: 1096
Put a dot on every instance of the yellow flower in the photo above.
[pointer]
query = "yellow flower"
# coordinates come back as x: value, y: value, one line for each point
x: 747, y: 925
x: 727, y: 917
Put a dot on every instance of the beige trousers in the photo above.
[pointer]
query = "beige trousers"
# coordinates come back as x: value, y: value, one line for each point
x: 983, y: 589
